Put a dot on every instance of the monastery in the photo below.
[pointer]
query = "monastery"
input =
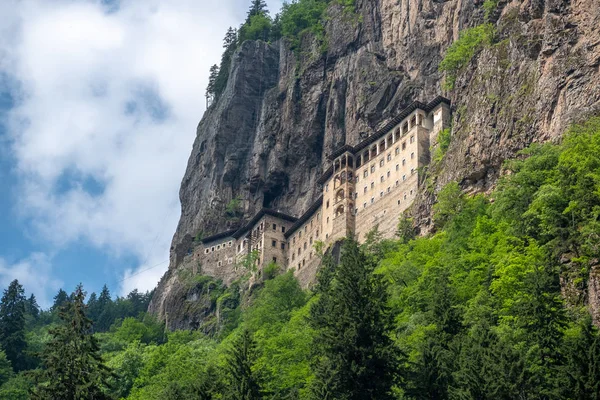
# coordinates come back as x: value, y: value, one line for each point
x: 366, y: 185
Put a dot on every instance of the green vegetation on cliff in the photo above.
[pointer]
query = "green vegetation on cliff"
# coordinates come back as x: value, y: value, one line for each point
x: 478, y: 310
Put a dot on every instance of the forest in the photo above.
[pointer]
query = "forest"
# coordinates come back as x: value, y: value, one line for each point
x: 490, y: 306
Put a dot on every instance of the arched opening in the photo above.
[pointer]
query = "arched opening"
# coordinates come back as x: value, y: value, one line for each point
x: 339, y: 196
x: 339, y: 211
x: 396, y: 135
x: 373, y: 151
x: 382, y: 146
x: 343, y: 177
x: 405, y: 128
x: 336, y: 166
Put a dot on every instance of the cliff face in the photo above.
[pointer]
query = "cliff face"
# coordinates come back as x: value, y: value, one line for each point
x: 266, y: 139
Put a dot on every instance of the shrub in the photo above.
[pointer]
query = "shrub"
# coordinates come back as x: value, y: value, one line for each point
x: 461, y: 52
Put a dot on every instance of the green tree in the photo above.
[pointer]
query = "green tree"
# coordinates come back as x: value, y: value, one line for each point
x: 243, y: 383
x: 257, y: 7
x: 74, y: 369
x: 6, y: 371
x: 12, y: 325
x: 59, y: 300
x: 32, y: 307
x: 212, y: 81
x: 355, y: 356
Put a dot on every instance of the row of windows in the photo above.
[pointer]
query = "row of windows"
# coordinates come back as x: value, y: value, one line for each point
x: 228, y: 261
x: 412, y: 171
x: 218, y: 247
x: 305, y: 246
x: 377, y: 149
x: 381, y: 195
x: 274, y: 244
x: 382, y: 163
x: 312, y: 221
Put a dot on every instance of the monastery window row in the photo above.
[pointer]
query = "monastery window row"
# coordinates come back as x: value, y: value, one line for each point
x: 389, y: 158
x: 218, y: 247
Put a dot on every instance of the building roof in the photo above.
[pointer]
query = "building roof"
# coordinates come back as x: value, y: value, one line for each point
x: 415, y: 105
x: 305, y: 217
x: 265, y: 211
x: 218, y: 236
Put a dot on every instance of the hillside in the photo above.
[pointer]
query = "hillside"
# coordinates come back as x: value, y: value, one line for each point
x: 523, y: 72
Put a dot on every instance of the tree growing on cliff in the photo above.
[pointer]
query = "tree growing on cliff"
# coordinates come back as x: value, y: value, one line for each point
x: 74, y: 369
x: 355, y: 356
x: 12, y: 324
x: 257, y: 7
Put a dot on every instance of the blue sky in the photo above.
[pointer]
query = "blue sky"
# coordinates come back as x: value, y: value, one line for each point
x: 99, y: 101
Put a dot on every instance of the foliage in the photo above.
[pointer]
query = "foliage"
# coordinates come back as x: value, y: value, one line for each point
x: 233, y: 210
x: 302, y: 16
x: 355, y: 357
x: 443, y: 142
x: 73, y: 366
x: 460, y: 53
x: 243, y: 381
x: 12, y: 325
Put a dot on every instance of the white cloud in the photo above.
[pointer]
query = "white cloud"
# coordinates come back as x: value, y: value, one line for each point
x: 35, y: 274
x: 108, y: 101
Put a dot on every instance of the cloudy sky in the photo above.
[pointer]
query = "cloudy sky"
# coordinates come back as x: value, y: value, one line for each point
x: 99, y: 101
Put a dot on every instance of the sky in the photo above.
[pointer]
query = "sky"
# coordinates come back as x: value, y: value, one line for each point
x: 99, y: 103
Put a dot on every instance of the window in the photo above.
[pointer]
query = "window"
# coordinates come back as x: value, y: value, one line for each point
x: 282, y: 246
x: 365, y: 189
x: 355, y: 211
x: 389, y: 157
x: 274, y: 227
x: 306, y: 227
x: 381, y: 163
x: 206, y: 251
x: 397, y: 183
x: 381, y: 179
x: 403, y: 177
x: 412, y: 156
x: 219, y: 247
x: 294, y: 254
x: 381, y: 194
x: 275, y: 259
x: 404, y: 146
x: 372, y: 200
x: 365, y: 205
x: 397, y: 167
x: 327, y: 188
x: 298, y: 251
x: 366, y: 173
x: 372, y: 168
x: 404, y: 162
x: 388, y: 189
x: 283, y: 229
x: 327, y: 204
x: 274, y: 243
x: 327, y: 219
x: 412, y: 139
x: 412, y: 171
x: 220, y: 263
x: 397, y: 150
x: 404, y: 196
x: 310, y: 240
x: 372, y: 185
x: 398, y: 202
x: 230, y: 243
x: 303, y: 263
x: 388, y: 174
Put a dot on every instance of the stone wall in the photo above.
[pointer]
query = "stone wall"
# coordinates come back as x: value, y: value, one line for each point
x: 302, y: 256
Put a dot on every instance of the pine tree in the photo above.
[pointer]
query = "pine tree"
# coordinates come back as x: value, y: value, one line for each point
x: 257, y: 7
x: 244, y: 383
x: 104, y: 311
x: 12, y: 325
x: 32, y: 307
x: 356, y: 358
x: 59, y: 300
x: 231, y: 37
x: 212, y: 80
x: 73, y: 366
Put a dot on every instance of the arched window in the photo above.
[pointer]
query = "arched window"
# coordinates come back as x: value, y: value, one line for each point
x: 340, y: 195
x: 339, y: 211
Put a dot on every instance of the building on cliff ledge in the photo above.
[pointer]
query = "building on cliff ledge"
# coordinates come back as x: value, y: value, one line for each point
x: 366, y: 185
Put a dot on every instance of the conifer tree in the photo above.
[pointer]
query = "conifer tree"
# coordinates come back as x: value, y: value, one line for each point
x: 355, y: 356
x: 212, y: 80
x: 73, y: 366
x: 32, y: 306
x: 257, y: 7
x: 104, y: 311
x: 244, y: 383
x: 12, y: 324
x: 59, y: 300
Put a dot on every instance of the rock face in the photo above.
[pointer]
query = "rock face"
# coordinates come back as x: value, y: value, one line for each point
x: 266, y: 138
